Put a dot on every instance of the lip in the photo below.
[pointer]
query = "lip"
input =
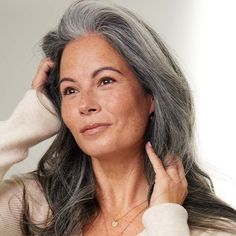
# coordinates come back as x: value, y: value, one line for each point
x: 94, y: 128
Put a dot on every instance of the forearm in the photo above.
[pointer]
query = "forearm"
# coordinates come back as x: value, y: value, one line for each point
x: 29, y: 124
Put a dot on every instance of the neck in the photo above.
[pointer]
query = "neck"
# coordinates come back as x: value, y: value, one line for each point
x: 121, y: 182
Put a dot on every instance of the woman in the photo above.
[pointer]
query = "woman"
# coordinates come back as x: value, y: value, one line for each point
x: 115, y: 90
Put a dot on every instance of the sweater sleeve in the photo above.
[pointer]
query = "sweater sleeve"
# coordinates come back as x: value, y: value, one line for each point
x: 31, y: 122
x: 171, y: 219
x: 16, y: 193
x: 165, y: 219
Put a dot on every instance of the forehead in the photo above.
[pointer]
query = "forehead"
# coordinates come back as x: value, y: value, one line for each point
x: 89, y: 53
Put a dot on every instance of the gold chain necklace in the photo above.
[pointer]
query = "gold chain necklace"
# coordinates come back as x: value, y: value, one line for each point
x: 115, y: 222
x: 126, y: 225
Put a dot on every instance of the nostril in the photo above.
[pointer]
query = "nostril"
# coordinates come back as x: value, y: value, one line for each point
x: 92, y: 109
x: 88, y: 110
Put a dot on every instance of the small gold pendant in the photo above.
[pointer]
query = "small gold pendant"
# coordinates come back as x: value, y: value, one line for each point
x: 114, y: 223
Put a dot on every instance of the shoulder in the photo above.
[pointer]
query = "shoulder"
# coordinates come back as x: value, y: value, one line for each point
x: 11, y: 187
x: 14, y: 193
x: 210, y: 232
x: 10, y: 207
x: 21, y: 189
x: 17, y: 184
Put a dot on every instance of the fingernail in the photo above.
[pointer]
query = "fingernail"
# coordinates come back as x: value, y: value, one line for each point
x: 149, y: 144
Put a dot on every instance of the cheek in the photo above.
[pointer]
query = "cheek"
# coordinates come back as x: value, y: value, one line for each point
x: 131, y: 111
x: 68, y: 115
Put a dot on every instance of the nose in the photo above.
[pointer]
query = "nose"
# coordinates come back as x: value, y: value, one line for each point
x: 88, y: 104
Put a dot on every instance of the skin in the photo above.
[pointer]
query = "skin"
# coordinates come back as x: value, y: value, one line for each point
x: 119, y: 101
x: 115, y: 151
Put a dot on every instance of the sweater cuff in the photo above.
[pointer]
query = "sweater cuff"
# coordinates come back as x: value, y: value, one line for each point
x: 166, y: 219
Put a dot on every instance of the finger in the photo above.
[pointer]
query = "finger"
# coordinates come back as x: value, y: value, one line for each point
x: 181, y: 170
x: 156, y: 161
x: 184, y: 197
x: 182, y: 175
x: 46, y: 65
x: 172, y: 171
x: 171, y: 167
x: 41, y: 76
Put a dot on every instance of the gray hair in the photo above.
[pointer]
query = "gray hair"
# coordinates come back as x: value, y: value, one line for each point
x: 171, y: 130
x: 148, y: 58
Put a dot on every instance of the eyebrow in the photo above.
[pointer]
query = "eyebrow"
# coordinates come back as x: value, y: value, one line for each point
x: 95, y: 73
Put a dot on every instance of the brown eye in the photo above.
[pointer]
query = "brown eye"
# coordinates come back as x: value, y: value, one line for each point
x: 106, y: 80
x: 68, y: 91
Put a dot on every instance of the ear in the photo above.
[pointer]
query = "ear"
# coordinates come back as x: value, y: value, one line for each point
x: 152, y: 106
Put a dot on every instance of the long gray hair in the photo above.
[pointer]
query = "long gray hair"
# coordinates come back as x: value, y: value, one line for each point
x: 65, y: 172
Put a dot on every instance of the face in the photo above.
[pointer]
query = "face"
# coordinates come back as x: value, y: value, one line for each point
x: 103, y: 104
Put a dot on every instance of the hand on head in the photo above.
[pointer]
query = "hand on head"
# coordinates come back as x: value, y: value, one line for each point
x: 41, y: 76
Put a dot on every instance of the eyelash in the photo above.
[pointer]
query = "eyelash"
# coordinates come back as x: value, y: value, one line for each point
x: 64, y: 92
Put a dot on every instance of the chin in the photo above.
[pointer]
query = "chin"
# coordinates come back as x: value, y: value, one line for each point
x: 97, y: 149
x: 97, y: 153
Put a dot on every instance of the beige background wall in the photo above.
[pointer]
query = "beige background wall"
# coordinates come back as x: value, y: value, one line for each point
x: 193, y: 31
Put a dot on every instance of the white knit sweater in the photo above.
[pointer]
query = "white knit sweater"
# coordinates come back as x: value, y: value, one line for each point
x: 32, y: 123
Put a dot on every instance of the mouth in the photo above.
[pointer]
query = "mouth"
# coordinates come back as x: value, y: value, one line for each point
x: 94, y: 130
